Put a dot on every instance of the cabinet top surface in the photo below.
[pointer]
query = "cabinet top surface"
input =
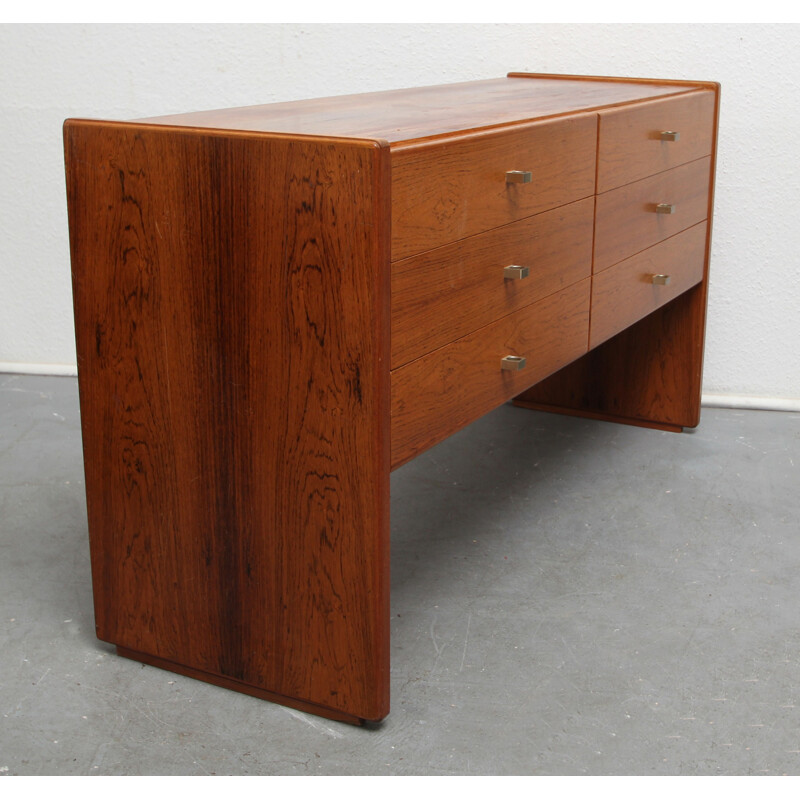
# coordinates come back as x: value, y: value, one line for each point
x: 410, y: 114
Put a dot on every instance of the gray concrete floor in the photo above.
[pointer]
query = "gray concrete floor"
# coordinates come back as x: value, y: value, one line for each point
x: 568, y: 597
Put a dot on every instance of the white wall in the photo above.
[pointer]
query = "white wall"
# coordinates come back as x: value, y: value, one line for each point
x: 50, y: 72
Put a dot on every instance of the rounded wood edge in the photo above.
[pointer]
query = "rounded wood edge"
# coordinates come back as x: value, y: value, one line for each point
x: 79, y: 122
x: 615, y: 79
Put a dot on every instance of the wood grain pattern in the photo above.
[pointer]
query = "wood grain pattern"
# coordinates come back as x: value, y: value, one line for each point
x: 626, y: 220
x: 405, y: 115
x: 443, y: 294
x: 447, y: 389
x: 231, y: 302
x: 629, y: 144
x: 624, y: 293
x: 444, y: 191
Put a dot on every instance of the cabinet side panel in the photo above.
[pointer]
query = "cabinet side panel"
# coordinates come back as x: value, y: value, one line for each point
x: 231, y: 304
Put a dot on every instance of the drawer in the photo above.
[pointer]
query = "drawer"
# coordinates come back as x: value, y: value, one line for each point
x: 623, y: 294
x: 447, y: 389
x: 630, y: 139
x: 441, y: 295
x: 445, y: 190
x: 628, y: 219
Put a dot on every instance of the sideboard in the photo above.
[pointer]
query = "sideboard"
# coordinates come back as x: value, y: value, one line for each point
x: 277, y: 305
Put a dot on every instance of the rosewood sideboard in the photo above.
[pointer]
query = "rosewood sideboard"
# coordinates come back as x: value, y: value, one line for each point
x: 275, y: 306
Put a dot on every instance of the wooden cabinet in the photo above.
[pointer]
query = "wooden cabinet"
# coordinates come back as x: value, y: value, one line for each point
x: 277, y: 305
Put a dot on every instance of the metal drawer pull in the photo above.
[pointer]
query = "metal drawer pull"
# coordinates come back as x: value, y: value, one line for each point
x: 669, y: 136
x: 660, y: 280
x: 514, y: 273
x: 665, y: 208
x: 518, y: 176
x: 513, y: 363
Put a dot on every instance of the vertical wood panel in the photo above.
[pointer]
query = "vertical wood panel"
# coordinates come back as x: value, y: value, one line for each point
x: 231, y: 299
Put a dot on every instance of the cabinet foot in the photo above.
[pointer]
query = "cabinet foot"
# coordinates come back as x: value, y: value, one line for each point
x: 576, y: 412
x: 244, y: 688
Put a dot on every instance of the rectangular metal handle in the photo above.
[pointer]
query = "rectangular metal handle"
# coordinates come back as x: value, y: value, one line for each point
x: 515, y: 273
x: 665, y: 208
x: 660, y: 280
x: 518, y: 176
x: 512, y: 363
x: 669, y: 136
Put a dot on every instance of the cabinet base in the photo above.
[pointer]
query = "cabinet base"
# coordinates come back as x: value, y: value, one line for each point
x: 238, y: 686
x: 577, y: 412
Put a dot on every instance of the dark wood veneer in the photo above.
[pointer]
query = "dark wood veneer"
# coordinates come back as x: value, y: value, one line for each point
x: 230, y: 532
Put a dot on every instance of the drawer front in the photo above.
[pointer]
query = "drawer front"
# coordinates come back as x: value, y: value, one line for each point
x: 445, y: 390
x: 444, y: 294
x: 444, y: 191
x: 629, y: 220
x: 630, y: 139
x: 623, y: 294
